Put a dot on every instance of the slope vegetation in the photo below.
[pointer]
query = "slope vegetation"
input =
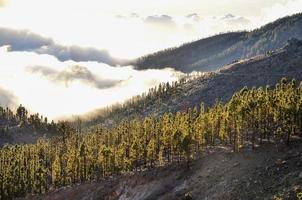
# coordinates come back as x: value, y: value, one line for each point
x: 261, y: 70
x: 212, y: 53
x: 21, y: 127
x: 266, y: 173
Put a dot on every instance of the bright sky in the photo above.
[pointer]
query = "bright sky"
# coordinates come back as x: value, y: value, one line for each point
x: 37, y: 72
x: 121, y: 26
x: 59, y: 89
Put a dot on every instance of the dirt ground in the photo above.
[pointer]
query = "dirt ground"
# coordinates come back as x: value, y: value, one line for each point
x: 265, y: 173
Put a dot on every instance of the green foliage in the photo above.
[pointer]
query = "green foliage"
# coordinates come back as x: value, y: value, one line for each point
x: 22, y: 120
x: 249, y: 118
x: 136, y: 106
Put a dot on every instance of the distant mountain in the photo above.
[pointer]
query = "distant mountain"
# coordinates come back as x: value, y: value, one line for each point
x: 212, y: 53
x: 261, y: 70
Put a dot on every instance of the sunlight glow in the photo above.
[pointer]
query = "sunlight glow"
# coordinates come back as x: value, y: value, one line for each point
x: 120, y: 26
x: 126, y: 29
x: 73, y: 96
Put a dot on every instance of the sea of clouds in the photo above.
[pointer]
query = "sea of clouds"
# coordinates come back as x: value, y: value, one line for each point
x: 56, y: 88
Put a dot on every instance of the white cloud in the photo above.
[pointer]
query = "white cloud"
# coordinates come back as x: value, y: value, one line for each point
x: 77, y: 87
x: 161, y: 20
x: 24, y: 40
x: 134, y: 15
x: 228, y: 16
x: 278, y: 10
x: 93, y: 22
x: 71, y: 74
x: 55, y: 88
x: 7, y: 99
x: 234, y: 22
x: 194, y: 16
x: 5, y: 48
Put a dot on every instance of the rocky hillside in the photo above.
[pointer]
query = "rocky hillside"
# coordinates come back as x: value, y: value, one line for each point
x: 266, y: 173
x: 262, y: 70
x: 212, y: 53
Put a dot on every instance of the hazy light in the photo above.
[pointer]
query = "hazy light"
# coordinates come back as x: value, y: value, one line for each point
x: 41, y: 93
x: 123, y: 28
x: 94, y: 22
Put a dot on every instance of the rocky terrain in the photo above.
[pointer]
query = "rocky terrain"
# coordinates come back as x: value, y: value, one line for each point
x: 265, y: 173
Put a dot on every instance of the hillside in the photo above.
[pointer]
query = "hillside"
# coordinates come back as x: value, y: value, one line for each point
x: 215, y: 118
x: 252, y: 119
x: 218, y: 175
x: 21, y: 127
x: 261, y: 70
x: 212, y: 53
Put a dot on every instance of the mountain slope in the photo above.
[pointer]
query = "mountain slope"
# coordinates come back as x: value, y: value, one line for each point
x: 265, y: 173
x: 20, y: 127
x: 211, y: 53
x: 261, y: 70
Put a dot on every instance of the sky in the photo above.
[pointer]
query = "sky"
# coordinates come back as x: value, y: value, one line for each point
x: 61, y: 57
x: 132, y: 28
x: 59, y: 89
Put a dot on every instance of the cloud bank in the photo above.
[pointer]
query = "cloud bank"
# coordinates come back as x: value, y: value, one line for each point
x: 194, y: 16
x: 57, y: 88
x: 160, y: 20
x: 168, y: 23
x: 71, y: 74
x: 7, y: 99
x: 24, y: 40
x: 235, y: 21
